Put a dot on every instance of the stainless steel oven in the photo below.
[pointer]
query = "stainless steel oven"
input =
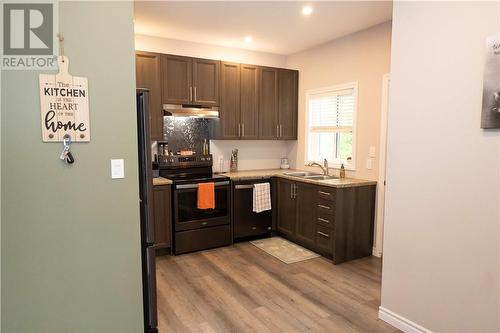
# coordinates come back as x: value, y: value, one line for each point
x: 186, y: 213
x: 197, y: 229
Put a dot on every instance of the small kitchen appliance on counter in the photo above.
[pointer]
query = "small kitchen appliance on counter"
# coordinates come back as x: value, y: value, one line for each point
x: 284, y: 163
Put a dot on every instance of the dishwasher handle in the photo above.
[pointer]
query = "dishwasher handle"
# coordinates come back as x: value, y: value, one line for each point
x: 243, y: 187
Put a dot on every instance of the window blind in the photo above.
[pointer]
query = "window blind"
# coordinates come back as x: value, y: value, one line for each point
x: 331, y: 111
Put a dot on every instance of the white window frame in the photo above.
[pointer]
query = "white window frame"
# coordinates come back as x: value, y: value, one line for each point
x: 337, y: 163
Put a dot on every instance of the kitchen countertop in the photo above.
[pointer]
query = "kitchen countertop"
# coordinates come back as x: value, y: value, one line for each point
x: 262, y: 174
x: 161, y: 181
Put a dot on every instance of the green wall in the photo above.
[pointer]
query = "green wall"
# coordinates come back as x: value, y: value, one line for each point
x: 70, y: 235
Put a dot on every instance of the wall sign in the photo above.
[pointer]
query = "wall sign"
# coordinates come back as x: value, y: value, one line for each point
x: 490, y: 116
x: 64, y: 105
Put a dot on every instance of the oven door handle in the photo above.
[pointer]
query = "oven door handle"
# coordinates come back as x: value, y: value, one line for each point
x: 191, y: 186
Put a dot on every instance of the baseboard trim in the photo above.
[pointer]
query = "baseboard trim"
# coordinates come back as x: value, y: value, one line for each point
x: 400, y: 322
x: 376, y: 253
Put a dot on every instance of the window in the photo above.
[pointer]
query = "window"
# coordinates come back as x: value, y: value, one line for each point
x: 331, y: 125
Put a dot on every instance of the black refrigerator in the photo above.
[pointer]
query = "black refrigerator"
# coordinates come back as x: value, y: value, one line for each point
x: 147, y: 224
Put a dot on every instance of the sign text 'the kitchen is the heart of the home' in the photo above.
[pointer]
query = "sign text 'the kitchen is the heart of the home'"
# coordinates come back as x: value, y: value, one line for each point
x: 64, y: 105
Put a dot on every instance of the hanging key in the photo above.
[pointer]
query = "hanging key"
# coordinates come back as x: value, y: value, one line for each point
x: 66, y: 155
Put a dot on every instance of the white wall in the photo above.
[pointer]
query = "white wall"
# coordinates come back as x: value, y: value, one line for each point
x: 191, y: 49
x: 362, y: 57
x: 252, y: 154
x: 441, y: 244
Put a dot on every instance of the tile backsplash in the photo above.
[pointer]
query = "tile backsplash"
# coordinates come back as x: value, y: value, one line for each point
x: 185, y: 133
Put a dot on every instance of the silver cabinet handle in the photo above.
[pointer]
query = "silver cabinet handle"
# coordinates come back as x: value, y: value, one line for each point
x: 239, y: 130
x: 243, y: 129
x: 323, y: 206
x: 291, y: 191
x: 277, y: 131
x: 191, y: 94
x: 324, y: 193
x: 323, y: 220
x: 323, y: 234
x: 195, y: 93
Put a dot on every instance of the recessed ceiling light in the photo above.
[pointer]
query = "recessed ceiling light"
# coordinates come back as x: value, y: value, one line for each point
x: 307, y: 10
x: 248, y: 39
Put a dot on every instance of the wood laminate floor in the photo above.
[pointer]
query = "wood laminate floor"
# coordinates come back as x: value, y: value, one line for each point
x: 243, y: 289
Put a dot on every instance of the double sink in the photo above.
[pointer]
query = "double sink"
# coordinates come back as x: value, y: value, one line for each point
x: 310, y: 175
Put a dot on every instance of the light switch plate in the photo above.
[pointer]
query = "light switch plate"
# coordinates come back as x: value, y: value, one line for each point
x: 372, y: 151
x: 117, y: 169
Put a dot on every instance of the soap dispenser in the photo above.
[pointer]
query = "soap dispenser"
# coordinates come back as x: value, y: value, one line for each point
x: 342, y: 171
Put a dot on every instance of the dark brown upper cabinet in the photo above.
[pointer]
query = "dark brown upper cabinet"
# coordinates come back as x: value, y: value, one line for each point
x: 287, y: 104
x: 176, y: 79
x: 206, y: 82
x: 147, y: 69
x: 229, y: 126
x: 268, y: 104
x: 249, y: 93
x: 239, y: 111
x: 190, y: 80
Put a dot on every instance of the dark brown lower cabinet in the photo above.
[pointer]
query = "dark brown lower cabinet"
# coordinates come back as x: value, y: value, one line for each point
x: 287, y: 213
x: 306, y: 201
x: 336, y: 222
x: 162, y: 215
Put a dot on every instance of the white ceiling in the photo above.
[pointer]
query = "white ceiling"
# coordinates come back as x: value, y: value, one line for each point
x: 276, y: 27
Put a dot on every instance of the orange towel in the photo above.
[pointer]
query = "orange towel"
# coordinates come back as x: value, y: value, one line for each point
x: 206, y: 196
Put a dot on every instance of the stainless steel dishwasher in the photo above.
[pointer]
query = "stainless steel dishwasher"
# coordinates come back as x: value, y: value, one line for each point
x: 247, y: 223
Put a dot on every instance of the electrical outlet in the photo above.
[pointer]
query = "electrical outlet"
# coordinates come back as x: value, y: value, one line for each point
x: 369, y: 163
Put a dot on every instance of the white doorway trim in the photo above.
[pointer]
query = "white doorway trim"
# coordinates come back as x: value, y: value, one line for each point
x: 379, y: 220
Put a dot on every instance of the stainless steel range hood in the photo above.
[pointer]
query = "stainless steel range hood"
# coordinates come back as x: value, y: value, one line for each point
x: 194, y: 111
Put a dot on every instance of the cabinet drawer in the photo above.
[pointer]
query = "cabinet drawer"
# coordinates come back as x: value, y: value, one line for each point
x: 327, y: 193
x: 325, y: 206
x: 326, y: 220
x: 324, y: 239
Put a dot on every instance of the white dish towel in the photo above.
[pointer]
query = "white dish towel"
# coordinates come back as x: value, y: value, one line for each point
x: 261, y: 197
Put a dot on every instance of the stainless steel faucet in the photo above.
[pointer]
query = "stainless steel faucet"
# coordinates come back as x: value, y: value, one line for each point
x: 323, y: 167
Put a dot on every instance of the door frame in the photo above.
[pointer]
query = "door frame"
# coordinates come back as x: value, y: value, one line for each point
x: 380, y: 210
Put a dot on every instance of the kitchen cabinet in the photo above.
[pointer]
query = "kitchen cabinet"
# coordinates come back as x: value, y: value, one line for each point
x: 229, y: 122
x: 206, y: 82
x: 239, y: 108
x: 306, y: 203
x: 188, y: 80
x: 287, y: 207
x: 268, y: 104
x: 335, y: 222
x: 287, y: 104
x: 176, y: 79
x: 278, y: 104
x: 162, y: 215
x: 249, y: 102
x: 147, y: 67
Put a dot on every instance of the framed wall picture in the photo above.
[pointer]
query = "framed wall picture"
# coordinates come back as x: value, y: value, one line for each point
x: 490, y: 115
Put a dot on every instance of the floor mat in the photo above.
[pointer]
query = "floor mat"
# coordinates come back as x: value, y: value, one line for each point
x: 284, y: 250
